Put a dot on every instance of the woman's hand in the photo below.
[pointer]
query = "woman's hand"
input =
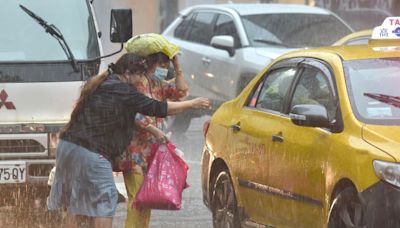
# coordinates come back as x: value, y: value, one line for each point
x: 179, y: 79
x: 200, y: 103
x: 157, y: 133
x: 175, y: 62
x: 160, y: 136
x: 181, y: 106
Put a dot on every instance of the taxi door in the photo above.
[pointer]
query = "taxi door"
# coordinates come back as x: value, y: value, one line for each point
x: 299, y: 165
x: 252, y: 141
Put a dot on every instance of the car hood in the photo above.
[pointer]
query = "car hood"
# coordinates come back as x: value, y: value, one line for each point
x: 272, y: 53
x: 256, y: 58
x: 386, y: 138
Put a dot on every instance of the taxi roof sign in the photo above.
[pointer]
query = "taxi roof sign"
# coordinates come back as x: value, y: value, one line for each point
x: 390, y: 29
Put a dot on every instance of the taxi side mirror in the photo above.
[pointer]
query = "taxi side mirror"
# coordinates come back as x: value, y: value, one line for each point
x: 310, y: 115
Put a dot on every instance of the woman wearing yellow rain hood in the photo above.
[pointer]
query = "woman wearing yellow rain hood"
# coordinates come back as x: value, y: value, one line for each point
x: 99, y: 131
x: 155, y: 49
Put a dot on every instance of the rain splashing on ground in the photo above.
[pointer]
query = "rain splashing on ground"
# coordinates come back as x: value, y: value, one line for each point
x: 30, y: 213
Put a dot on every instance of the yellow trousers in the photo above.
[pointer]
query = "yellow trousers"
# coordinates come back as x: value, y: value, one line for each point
x: 135, y: 218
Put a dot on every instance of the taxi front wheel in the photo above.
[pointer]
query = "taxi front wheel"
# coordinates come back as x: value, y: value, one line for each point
x: 224, y: 205
x: 346, y: 210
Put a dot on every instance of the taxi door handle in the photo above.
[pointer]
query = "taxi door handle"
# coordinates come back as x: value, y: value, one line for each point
x: 235, y: 127
x: 277, y: 138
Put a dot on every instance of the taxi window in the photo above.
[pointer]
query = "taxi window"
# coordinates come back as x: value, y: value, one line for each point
x: 271, y: 94
x: 313, y: 88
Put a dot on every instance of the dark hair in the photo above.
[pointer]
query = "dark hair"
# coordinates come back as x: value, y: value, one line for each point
x: 127, y: 62
x: 157, y: 58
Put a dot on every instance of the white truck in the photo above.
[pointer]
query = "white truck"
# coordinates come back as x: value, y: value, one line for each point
x: 48, y: 48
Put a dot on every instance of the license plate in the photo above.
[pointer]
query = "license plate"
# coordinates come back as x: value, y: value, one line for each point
x: 12, y: 172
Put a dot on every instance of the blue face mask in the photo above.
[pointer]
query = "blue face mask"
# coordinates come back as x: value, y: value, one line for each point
x: 161, y: 73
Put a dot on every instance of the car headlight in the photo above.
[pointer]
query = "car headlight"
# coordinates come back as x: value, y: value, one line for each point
x: 388, y: 171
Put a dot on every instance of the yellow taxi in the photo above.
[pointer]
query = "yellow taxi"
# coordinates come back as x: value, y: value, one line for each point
x: 312, y: 141
x: 360, y: 37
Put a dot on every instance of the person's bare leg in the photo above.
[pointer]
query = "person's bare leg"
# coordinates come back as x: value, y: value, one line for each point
x: 102, y: 222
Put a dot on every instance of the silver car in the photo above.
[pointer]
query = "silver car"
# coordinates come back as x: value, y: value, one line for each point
x: 224, y: 46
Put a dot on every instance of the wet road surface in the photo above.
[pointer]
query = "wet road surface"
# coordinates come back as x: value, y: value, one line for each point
x: 192, y: 215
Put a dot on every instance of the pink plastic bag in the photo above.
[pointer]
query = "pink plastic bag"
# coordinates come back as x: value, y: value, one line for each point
x: 165, y: 180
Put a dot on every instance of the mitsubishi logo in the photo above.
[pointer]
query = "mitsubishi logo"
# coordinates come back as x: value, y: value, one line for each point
x: 3, y: 100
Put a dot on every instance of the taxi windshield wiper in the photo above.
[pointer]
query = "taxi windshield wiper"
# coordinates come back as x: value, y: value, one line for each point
x: 56, y: 33
x: 269, y: 42
x: 388, y: 99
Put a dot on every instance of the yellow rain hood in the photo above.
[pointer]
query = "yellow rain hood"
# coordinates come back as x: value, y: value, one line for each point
x: 150, y: 43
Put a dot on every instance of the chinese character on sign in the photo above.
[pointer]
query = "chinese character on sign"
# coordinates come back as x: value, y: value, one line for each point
x: 384, y: 33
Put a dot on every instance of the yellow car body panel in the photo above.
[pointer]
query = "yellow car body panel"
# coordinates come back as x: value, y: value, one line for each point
x: 353, y: 36
x: 343, y: 156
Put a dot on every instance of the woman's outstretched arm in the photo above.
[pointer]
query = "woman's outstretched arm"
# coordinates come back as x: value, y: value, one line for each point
x: 181, y: 106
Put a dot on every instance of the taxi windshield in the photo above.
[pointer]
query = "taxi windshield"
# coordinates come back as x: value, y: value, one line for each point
x: 373, y: 86
x: 23, y: 39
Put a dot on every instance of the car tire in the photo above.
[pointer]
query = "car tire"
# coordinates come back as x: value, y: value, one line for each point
x: 223, y: 203
x: 346, y: 210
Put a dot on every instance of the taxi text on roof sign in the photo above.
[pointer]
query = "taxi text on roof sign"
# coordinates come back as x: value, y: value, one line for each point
x: 390, y: 29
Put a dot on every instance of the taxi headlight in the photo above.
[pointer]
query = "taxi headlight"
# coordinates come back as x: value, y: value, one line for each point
x: 388, y: 171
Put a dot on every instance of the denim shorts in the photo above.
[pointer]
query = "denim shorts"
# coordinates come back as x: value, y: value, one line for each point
x: 83, y: 183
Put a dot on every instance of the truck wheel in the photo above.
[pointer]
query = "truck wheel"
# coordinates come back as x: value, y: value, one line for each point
x: 223, y: 203
x: 346, y: 210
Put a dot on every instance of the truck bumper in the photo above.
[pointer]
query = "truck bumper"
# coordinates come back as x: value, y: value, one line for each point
x: 37, y: 172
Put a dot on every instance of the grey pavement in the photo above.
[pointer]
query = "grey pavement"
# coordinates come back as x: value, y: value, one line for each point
x: 193, y: 213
